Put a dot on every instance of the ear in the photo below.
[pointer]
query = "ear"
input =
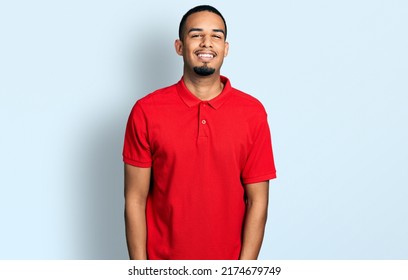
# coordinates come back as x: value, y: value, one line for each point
x: 226, y: 49
x: 178, y: 45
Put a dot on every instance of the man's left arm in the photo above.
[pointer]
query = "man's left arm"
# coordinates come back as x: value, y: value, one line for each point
x: 255, y: 219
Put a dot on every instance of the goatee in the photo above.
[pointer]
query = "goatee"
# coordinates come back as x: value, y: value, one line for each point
x: 204, y: 70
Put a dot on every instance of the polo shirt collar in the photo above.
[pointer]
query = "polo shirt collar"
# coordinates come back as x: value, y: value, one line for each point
x: 191, y: 100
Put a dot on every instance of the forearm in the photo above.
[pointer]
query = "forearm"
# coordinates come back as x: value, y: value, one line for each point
x: 137, y: 181
x: 136, y: 235
x: 253, y: 230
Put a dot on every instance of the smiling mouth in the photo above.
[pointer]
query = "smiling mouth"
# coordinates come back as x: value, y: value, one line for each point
x: 205, y: 56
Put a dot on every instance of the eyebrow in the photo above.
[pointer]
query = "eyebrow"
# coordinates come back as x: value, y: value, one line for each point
x: 200, y: 29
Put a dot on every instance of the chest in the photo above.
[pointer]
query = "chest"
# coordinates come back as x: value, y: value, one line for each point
x: 221, y: 135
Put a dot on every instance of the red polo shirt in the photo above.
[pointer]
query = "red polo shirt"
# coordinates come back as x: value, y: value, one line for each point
x: 201, y: 153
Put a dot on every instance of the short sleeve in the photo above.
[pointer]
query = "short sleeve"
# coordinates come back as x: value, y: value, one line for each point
x: 136, y: 149
x: 260, y: 165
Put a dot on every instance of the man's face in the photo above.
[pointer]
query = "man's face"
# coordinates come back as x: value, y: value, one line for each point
x: 203, y: 46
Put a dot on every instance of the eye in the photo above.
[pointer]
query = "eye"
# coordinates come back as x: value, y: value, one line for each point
x: 195, y: 35
x: 217, y: 36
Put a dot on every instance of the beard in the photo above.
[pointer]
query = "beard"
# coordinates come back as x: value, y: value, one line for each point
x: 204, y: 70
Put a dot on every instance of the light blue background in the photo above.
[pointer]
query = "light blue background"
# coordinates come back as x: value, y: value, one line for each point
x: 331, y: 74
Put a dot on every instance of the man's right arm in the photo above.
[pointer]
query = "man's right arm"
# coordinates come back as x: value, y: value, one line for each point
x: 137, y: 183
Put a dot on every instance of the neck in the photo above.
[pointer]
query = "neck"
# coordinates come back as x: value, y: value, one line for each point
x: 204, y: 88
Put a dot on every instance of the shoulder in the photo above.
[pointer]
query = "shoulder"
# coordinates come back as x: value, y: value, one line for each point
x: 247, y: 102
x: 156, y: 103
x: 246, y: 98
x: 239, y: 98
x: 156, y: 97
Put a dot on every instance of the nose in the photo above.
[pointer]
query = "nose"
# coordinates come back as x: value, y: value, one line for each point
x: 206, y: 42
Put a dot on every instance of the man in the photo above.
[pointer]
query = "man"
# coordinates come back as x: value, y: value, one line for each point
x: 198, y: 158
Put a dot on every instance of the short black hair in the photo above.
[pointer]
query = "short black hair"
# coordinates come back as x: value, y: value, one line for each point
x: 197, y: 9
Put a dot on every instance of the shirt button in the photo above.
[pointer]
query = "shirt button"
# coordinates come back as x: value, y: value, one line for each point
x: 203, y: 121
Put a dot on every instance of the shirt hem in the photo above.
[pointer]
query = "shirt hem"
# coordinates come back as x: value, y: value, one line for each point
x: 259, y: 179
x: 137, y: 163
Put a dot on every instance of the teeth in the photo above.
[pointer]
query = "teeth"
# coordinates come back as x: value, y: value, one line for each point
x: 205, y: 55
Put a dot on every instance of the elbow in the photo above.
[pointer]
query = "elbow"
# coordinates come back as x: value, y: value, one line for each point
x: 258, y: 211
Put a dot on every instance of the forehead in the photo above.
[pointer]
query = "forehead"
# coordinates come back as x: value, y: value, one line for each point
x: 205, y: 20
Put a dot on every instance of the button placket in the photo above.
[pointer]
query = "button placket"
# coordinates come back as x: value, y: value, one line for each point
x: 203, y: 123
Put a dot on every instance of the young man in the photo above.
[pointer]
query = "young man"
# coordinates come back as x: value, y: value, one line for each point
x: 198, y: 158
